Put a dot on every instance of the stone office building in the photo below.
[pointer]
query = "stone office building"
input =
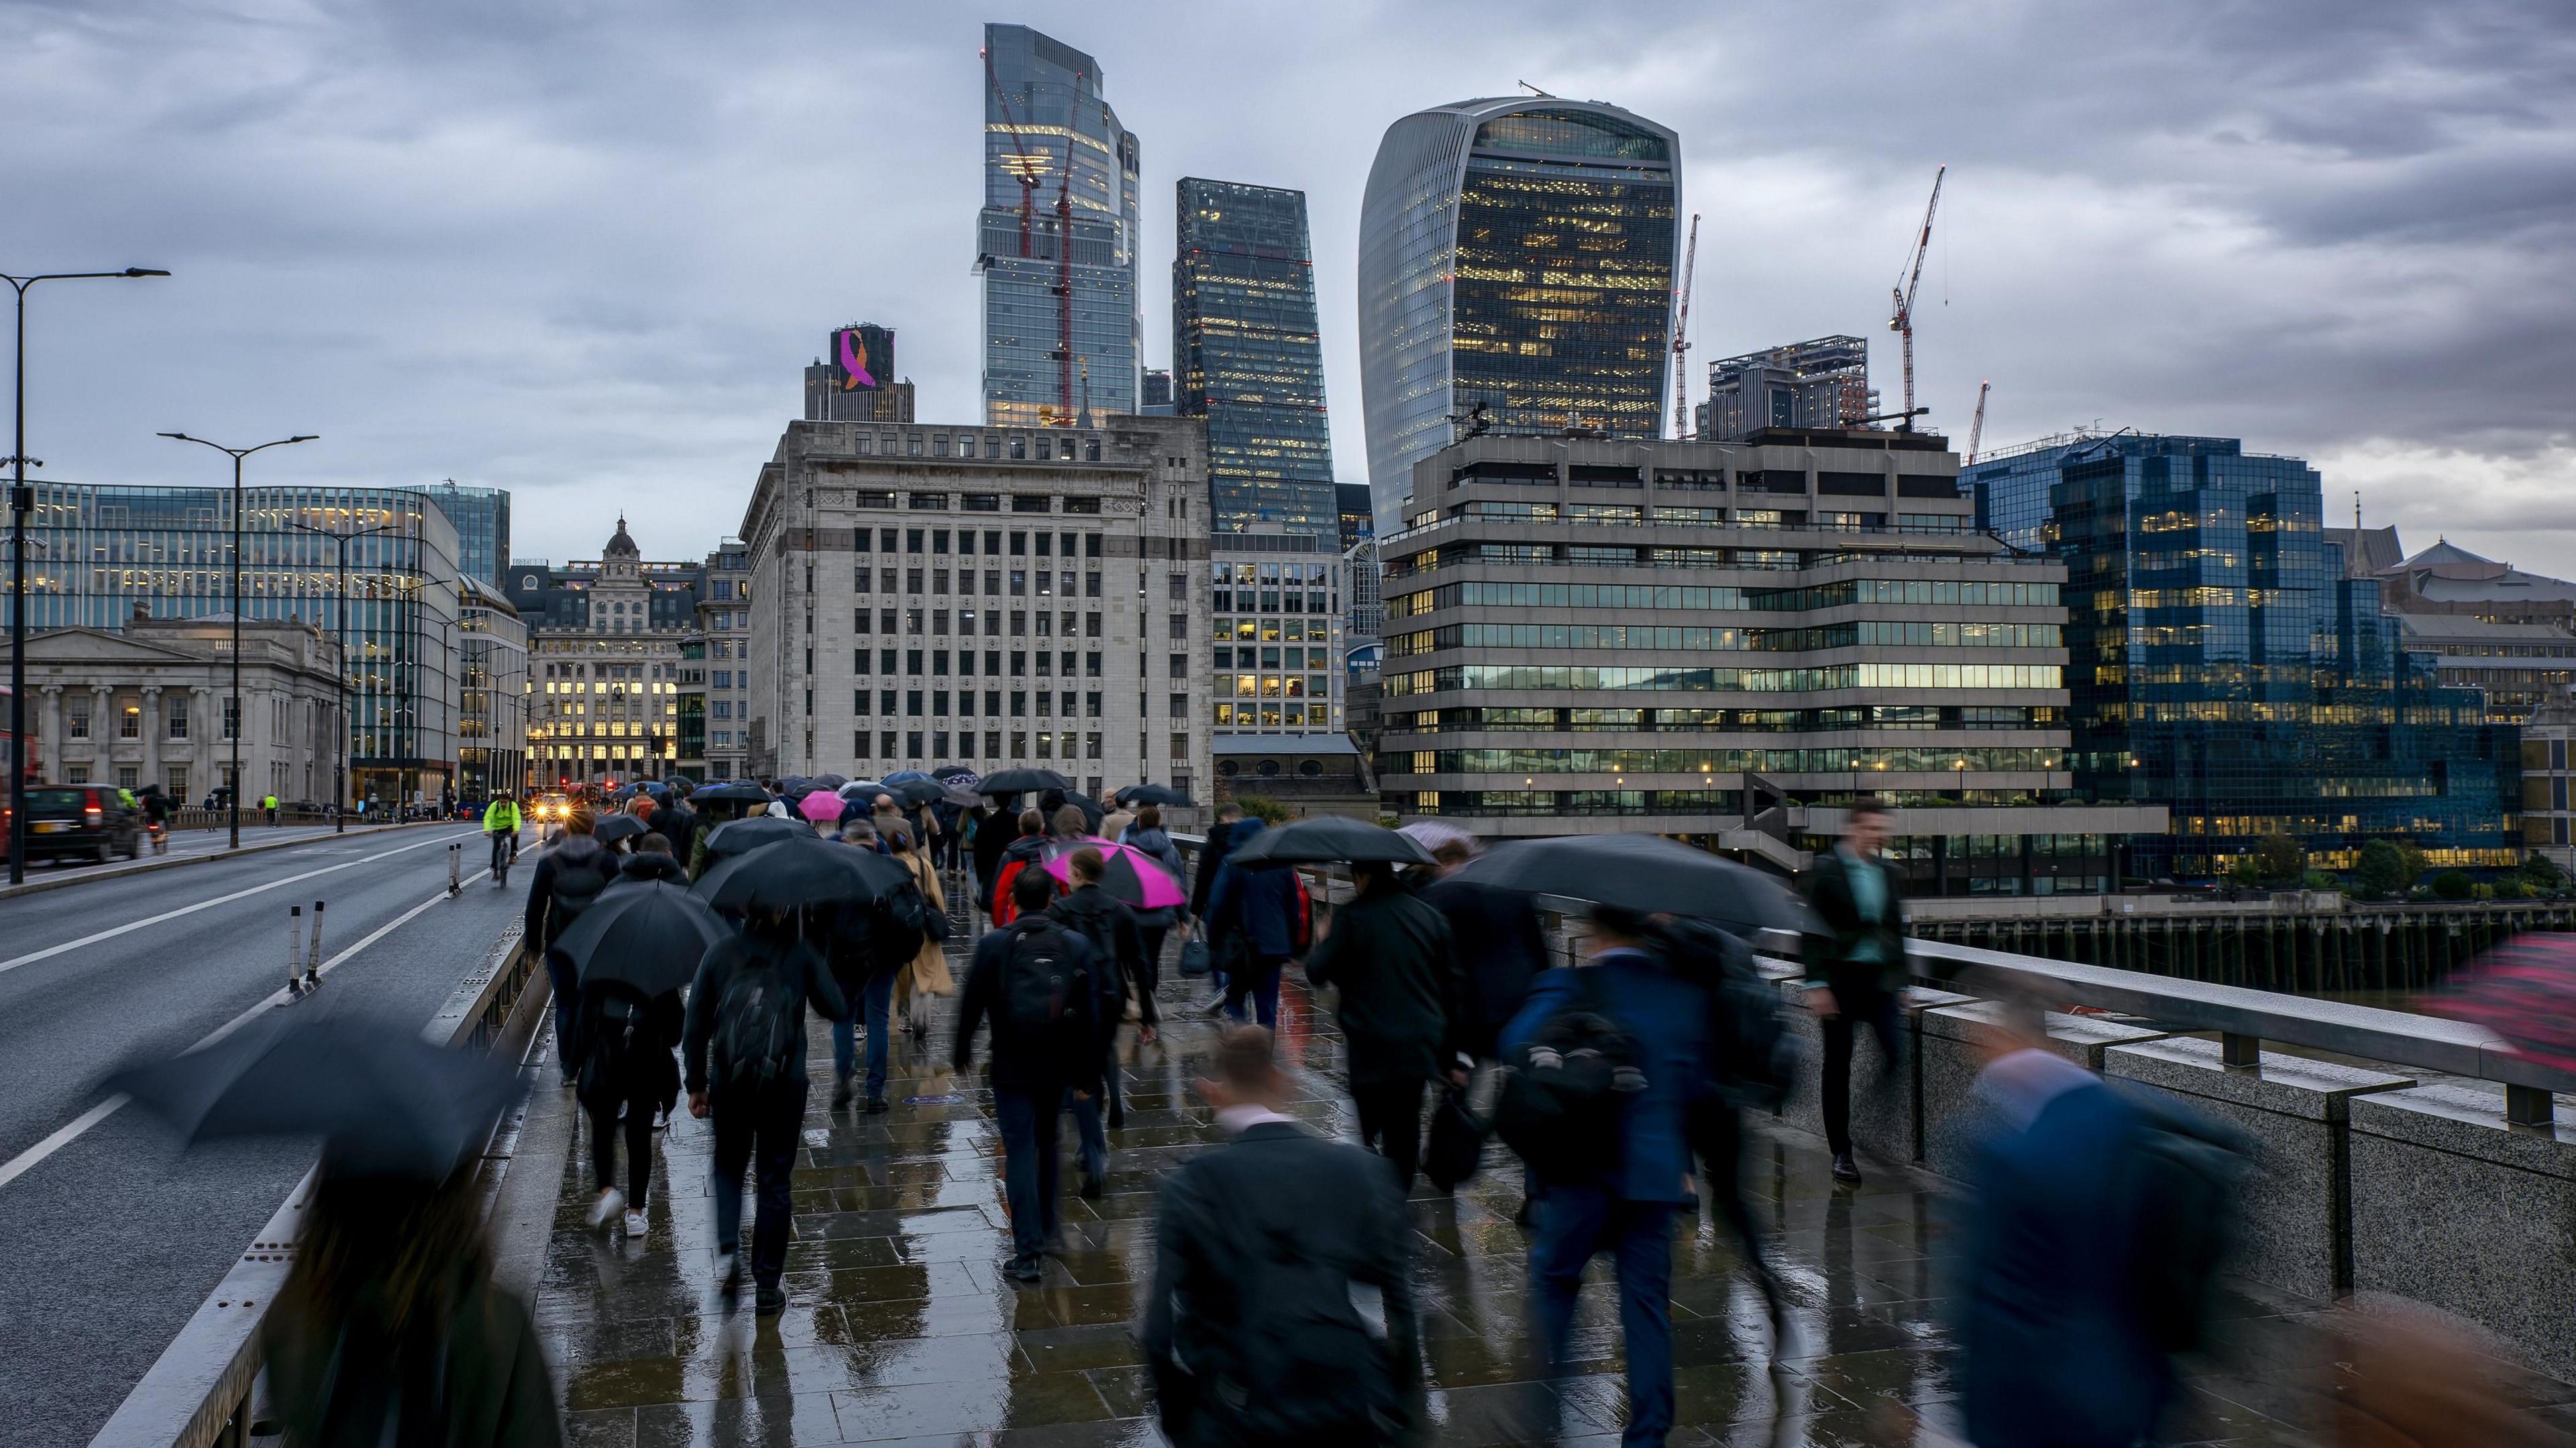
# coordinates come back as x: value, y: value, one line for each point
x: 604, y: 642
x: 987, y: 596
x: 1728, y: 642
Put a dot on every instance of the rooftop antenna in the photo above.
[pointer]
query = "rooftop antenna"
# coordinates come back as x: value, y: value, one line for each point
x: 1534, y: 90
x: 2356, y: 510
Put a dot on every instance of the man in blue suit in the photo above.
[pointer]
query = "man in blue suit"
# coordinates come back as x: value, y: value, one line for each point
x: 1629, y: 1212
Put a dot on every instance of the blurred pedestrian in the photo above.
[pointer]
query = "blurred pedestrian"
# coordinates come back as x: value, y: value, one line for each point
x: 1855, y: 960
x: 886, y: 816
x: 1262, y: 1248
x: 1023, y: 853
x: 1500, y: 950
x: 1252, y: 925
x: 1626, y: 1204
x: 1401, y: 1006
x: 1114, y: 824
x: 861, y: 966
x: 743, y: 1041
x: 568, y: 878
x: 926, y: 974
x: 1148, y: 836
x: 1220, y: 842
x: 674, y: 821
x: 1045, y: 997
x: 651, y: 860
x: 2400, y: 1375
x: 1109, y: 928
x: 627, y: 1074
x: 993, y: 834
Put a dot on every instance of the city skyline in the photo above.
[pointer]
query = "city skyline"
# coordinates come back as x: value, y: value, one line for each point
x: 2325, y: 239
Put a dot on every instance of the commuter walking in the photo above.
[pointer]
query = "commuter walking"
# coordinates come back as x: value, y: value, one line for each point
x: 1109, y: 928
x: 869, y: 945
x: 569, y: 877
x: 993, y: 835
x: 1028, y: 850
x: 651, y: 859
x: 674, y: 821
x: 1620, y: 1195
x: 1259, y: 1249
x: 1220, y: 842
x: 1501, y: 950
x: 1855, y: 961
x: 1253, y: 920
x: 1401, y: 1007
x: 743, y: 1044
x: 1148, y: 836
x: 1045, y: 996
x: 627, y: 1074
x: 1114, y: 824
x: 925, y: 974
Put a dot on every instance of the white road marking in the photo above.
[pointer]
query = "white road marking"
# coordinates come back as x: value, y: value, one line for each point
x: 51, y: 951
x: 18, y: 1165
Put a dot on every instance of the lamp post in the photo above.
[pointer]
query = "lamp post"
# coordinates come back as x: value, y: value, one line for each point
x: 241, y: 717
x: 340, y: 767
x: 22, y: 501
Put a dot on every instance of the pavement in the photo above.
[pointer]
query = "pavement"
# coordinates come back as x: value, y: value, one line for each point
x: 190, y: 845
x: 109, y: 1235
x: 902, y: 1329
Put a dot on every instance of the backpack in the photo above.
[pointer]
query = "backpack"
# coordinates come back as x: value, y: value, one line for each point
x: 1566, y: 1090
x: 900, y: 925
x: 580, y: 874
x: 1757, y: 1057
x: 2189, y: 1174
x: 1046, y: 991
x: 760, y: 1019
x: 1304, y: 1369
x: 615, y: 1037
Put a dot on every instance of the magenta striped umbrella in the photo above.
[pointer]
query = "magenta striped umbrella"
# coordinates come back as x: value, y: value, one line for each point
x: 1129, y: 875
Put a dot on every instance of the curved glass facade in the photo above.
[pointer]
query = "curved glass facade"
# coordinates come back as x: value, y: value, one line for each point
x: 1516, y: 254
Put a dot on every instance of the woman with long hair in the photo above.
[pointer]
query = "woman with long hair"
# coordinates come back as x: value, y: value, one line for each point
x: 928, y: 974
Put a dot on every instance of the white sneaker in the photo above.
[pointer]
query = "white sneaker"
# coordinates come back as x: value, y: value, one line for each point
x: 635, y: 1225
x: 605, y: 1210
x: 661, y: 1118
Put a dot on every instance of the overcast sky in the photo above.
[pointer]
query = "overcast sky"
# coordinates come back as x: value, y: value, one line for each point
x: 583, y: 250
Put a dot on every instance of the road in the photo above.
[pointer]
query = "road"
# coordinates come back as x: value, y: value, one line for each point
x: 188, y: 842
x: 109, y: 1235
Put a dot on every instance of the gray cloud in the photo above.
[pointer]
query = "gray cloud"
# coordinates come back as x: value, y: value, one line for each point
x: 582, y: 249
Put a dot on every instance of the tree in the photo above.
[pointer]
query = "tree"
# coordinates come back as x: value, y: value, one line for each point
x: 2542, y: 872
x: 2454, y: 885
x: 2382, y: 870
x: 2280, y: 860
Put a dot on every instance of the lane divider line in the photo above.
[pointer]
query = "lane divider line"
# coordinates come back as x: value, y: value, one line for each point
x: 72, y: 1130
x: 49, y: 952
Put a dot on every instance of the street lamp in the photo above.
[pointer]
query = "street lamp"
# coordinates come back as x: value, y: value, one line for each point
x: 22, y: 501
x: 241, y: 717
x: 340, y: 769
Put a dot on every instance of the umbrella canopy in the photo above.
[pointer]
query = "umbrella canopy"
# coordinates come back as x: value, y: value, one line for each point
x: 384, y: 1102
x: 743, y: 791
x: 962, y: 796
x: 1161, y: 794
x: 618, y: 827
x: 1327, y: 838
x: 1129, y: 875
x: 657, y: 789
x: 955, y: 774
x: 910, y: 792
x: 1092, y: 813
x: 901, y: 775
x: 822, y: 807
x: 1644, y: 873
x: 2524, y: 992
x: 1434, y: 834
x: 830, y: 781
x: 649, y: 934
x: 860, y: 789
x: 793, y: 874
x: 1021, y: 781
x: 741, y: 837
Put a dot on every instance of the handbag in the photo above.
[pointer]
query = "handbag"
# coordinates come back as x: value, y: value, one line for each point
x: 1194, y: 954
x: 1457, y: 1141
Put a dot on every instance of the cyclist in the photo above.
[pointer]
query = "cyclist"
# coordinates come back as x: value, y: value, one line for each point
x: 501, y: 822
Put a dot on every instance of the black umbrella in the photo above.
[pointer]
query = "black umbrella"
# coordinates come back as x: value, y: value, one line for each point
x: 1644, y: 873
x: 1092, y: 813
x: 617, y: 827
x: 384, y: 1102
x: 741, y: 837
x: 649, y: 934
x: 1324, y: 839
x: 795, y: 786
x: 732, y: 789
x: 1021, y: 781
x: 830, y: 781
x: 791, y: 875
x: 1162, y: 794
x: 962, y: 797
x: 955, y: 774
x: 910, y: 792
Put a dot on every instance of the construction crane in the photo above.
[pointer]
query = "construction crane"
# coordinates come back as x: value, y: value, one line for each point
x: 1910, y: 275
x: 1977, y: 428
x: 1681, y: 336
x: 1028, y: 168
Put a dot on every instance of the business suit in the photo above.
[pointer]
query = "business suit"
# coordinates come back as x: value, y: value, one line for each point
x: 1276, y: 1199
x: 1400, y: 1007
x: 1856, y: 950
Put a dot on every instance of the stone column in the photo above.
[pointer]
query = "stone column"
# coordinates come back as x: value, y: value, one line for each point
x: 102, y: 734
x: 205, y: 723
x: 49, y: 735
x: 153, y: 729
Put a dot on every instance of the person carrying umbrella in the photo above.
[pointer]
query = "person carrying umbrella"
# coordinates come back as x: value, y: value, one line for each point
x: 1110, y: 930
x: 993, y: 835
x: 569, y: 877
x: 1148, y: 837
x: 1252, y: 920
x: 634, y: 948
x: 926, y: 974
x: 1402, y: 1009
x: 1029, y: 849
x: 1220, y: 841
x: 651, y: 860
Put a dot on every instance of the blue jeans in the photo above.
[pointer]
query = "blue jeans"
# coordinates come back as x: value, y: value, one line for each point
x: 762, y: 1128
x: 1086, y: 1125
x: 1261, y: 982
x: 873, y: 1001
x: 1573, y: 1224
x: 1029, y: 1166
x: 566, y: 982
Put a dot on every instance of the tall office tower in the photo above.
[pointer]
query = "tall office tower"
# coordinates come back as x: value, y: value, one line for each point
x: 1358, y: 523
x: 2224, y: 662
x: 1158, y: 393
x: 1516, y: 276
x: 1820, y: 383
x: 1055, y: 158
x: 482, y: 519
x: 1246, y: 355
x: 854, y: 380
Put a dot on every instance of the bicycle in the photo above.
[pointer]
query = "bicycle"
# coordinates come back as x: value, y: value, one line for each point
x: 505, y: 853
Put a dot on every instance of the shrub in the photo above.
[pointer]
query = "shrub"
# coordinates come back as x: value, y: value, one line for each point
x: 2453, y: 885
x: 1263, y: 808
x: 2382, y: 870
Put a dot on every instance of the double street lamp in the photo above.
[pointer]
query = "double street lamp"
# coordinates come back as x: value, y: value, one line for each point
x: 240, y: 716
x: 22, y: 502
x: 340, y: 769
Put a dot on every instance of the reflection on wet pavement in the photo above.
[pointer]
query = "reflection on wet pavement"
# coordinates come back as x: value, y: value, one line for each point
x: 901, y: 1327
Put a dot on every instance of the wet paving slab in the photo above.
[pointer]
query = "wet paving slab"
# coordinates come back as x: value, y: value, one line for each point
x: 901, y: 1327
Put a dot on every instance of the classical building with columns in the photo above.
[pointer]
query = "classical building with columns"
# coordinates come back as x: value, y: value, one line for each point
x: 604, y: 643
x: 146, y: 704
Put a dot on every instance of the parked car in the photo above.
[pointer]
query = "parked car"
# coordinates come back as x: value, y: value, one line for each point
x: 80, y: 821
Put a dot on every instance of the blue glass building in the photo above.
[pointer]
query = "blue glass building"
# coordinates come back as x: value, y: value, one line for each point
x: 482, y: 519
x: 2222, y: 664
x: 1246, y: 355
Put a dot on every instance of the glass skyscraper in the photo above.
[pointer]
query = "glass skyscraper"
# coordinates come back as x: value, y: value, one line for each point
x: 2220, y: 662
x: 1246, y: 355
x: 1048, y: 124
x: 1516, y: 254
x: 482, y: 519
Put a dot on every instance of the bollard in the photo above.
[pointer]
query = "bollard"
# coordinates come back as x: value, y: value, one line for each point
x: 294, y: 950
x: 455, y: 869
x: 313, y: 952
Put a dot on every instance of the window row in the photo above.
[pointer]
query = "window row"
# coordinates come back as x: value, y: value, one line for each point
x: 1726, y: 681
x: 938, y: 621
x: 1046, y: 583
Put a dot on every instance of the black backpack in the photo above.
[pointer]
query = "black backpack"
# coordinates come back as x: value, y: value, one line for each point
x: 2188, y: 1175
x: 898, y: 926
x: 1305, y: 1368
x: 1047, y: 990
x: 583, y: 868
x: 615, y: 1037
x: 1757, y: 1057
x: 1566, y: 1090
x: 760, y: 1018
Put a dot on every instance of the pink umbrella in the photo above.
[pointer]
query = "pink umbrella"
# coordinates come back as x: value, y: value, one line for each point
x: 1129, y: 875
x: 822, y: 807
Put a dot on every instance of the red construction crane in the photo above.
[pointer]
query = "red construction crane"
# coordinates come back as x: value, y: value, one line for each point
x: 1681, y: 336
x: 1028, y: 169
x: 1977, y: 428
x: 1912, y: 273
